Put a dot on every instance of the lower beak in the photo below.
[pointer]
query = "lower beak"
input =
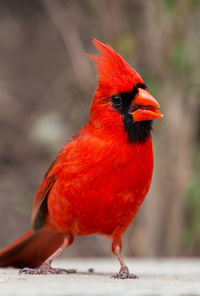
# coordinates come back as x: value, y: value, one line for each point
x: 144, y: 106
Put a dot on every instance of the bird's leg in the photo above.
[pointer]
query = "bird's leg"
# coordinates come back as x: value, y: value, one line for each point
x: 46, y: 265
x: 123, y: 272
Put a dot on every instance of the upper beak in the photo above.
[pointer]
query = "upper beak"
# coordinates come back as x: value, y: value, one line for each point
x: 145, y: 106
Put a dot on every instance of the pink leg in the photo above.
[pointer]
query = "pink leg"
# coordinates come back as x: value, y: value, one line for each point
x: 46, y: 265
x: 123, y: 272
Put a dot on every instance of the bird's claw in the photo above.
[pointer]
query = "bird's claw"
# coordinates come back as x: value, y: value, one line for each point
x: 45, y: 270
x: 61, y: 270
x: 28, y: 270
x: 124, y: 274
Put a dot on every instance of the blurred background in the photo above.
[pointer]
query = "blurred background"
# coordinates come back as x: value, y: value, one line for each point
x: 46, y: 86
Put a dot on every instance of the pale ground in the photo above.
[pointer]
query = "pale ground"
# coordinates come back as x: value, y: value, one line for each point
x: 157, y: 277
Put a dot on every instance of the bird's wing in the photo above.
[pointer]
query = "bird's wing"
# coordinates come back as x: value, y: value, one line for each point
x: 40, y: 207
x: 69, y: 156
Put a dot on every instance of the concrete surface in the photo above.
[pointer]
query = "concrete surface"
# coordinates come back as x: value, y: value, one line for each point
x: 157, y: 277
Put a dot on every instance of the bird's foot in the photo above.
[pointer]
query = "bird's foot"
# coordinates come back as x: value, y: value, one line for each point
x: 124, y: 274
x: 44, y: 269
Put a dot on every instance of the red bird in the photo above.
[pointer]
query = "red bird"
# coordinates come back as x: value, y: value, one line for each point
x: 100, y: 177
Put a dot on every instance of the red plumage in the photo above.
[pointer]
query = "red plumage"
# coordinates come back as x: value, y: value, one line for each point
x: 115, y: 75
x: 100, y: 177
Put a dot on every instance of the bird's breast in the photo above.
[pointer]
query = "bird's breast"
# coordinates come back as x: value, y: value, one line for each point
x: 105, y: 193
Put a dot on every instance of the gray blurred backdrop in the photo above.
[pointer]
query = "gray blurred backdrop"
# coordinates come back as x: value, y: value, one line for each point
x: 46, y: 87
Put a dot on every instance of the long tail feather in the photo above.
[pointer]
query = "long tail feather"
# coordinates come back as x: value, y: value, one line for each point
x: 31, y: 249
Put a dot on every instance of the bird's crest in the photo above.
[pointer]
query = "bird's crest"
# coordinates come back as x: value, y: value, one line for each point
x: 113, y: 72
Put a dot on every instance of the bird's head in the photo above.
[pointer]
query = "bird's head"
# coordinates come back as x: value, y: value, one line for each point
x: 122, y: 98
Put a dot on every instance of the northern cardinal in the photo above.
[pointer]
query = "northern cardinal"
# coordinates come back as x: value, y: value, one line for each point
x: 100, y: 177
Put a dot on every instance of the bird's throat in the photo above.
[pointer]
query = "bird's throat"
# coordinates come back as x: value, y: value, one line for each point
x: 138, y: 132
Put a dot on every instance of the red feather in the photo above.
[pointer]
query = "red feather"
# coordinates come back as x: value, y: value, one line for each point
x: 115, y: 75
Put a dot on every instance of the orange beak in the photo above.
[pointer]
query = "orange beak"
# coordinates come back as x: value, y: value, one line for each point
x: 144, y: 106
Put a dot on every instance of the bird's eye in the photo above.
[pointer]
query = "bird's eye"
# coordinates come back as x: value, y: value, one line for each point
x: 116, y: 100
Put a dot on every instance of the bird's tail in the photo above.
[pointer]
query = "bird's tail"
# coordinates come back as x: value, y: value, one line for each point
x: 31, y: 249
